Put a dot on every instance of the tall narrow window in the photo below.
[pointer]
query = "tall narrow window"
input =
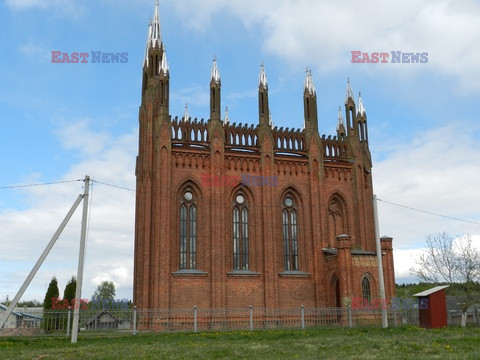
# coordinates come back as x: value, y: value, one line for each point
x: 240, y: 233
x: 366, y: 290
x: 188, y: 231
x: 290, y: 234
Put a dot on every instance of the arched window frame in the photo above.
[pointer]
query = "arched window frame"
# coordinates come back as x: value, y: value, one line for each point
x: 366, y: 290
x: 240, y: 232
x: 188, y: 230
x: 335, y: 283
x: 337, y: 214
x: 290, y: 233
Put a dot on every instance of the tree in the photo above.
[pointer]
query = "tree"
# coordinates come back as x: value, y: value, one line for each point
x: 452, y: 260
x: 70, y: 288
x: 52, y: 292
x: 29, y: 303
x: 50, y: 320
x: 105, y: 291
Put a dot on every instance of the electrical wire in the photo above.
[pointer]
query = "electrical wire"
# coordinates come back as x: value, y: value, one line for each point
x: 428, y: 212
x: 39, y: 184
x: 114, y: 186
x: 133, y: 190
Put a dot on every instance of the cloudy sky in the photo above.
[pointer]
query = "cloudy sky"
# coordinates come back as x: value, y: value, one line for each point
x: 62, y: 121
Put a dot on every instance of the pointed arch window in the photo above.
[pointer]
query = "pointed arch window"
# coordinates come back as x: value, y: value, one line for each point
x: 290, y: 233
x: 337, y: 218
x: 188, y: 231
x: 336, y: 292
x: 366, y: 293
x: 240, y: 233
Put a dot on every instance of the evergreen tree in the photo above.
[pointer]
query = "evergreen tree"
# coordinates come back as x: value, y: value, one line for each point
x: 70, y: 288
x: 52, y: 292
x: 50, y: 320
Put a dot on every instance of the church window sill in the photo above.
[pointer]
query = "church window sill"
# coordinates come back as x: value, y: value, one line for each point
x: 189, y: 273
x: 243, y: 273
x: 294, y: 274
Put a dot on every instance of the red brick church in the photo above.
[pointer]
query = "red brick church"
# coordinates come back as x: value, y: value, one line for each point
x: 231, y: 215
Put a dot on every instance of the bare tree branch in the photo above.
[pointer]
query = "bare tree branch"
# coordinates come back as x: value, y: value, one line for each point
x: 452, y: 260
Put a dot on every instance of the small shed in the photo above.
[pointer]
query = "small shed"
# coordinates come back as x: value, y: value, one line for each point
x: 432, y: 311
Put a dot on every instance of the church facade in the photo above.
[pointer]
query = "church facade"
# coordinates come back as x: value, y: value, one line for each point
x: 229, y: 216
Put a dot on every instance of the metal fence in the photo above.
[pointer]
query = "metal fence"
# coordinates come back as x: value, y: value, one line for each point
x: 59, y: 322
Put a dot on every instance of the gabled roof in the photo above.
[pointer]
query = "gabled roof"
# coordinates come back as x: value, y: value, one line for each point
x: 100, y: 313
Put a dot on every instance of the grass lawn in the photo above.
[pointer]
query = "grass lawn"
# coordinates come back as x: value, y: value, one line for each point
x: 331, y: 343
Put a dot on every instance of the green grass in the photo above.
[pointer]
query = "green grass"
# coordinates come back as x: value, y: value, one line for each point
x: 331, y: 343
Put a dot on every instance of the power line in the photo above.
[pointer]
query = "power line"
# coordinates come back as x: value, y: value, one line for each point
x: 39, y: 184
x: 388, y: 202
x: 133, y: 190
x: 114, y: 186
x: 429, y: 213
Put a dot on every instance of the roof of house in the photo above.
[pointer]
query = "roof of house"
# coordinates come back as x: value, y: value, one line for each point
x: 100, y: 313
x: 3, y: 307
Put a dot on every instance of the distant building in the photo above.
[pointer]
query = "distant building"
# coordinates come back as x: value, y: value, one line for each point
x: 454, y: 310
x: 231, y: 215
x: 106, y: 320
x: 20, y: 319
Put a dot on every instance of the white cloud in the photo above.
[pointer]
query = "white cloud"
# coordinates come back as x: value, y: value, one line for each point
x: 36, y: 50
x: 323, y: 33
x: 77, y: 136
x: 194, y: 95
x: 66, y: 7
x: 110, y: 238
x: 406, y: 259
x: 436, y: 171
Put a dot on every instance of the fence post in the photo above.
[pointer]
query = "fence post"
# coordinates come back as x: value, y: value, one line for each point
x: 251, y: 318
x: 68, y: 320
x: 134, y: 320
x: 350, y: 322
x: 303, y: 317
x: 395, y: 316
x: 195, y: 318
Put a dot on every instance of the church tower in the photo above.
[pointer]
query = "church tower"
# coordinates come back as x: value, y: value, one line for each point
x: 152, y: 185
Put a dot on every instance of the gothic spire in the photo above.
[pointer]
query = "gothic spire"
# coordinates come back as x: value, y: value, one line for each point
x: 340, y: 121
x: 263, y: 77
x: 349, y: 92
x: 361, y: 107
x: 155, y: 37
x: 164, y: 63
x: 226, y: 120
x: 309, y: 85
x: 215, y: 75
x: 185, y: 117
x: 148, y: 42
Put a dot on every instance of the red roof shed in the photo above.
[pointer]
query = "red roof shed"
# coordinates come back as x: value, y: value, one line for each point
x: 433, y: 307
